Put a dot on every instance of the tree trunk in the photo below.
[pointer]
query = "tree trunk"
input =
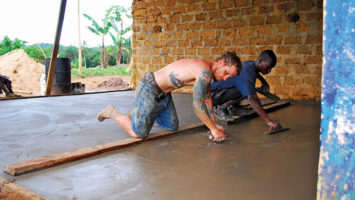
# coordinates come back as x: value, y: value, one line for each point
x: 103, y: 53
x: 79, y: 47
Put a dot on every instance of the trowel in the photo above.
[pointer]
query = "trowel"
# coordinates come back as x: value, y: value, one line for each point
x: 276, y: 130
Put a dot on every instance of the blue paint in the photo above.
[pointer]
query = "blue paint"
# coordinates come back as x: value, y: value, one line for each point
x: 336, y: 174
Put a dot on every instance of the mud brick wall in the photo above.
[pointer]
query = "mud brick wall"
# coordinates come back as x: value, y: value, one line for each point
x: 167, y: 30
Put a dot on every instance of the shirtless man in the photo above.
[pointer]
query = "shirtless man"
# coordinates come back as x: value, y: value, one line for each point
x: 153, y: 100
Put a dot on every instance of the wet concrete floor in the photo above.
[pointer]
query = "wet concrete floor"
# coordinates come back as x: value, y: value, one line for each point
x: 250, y: 165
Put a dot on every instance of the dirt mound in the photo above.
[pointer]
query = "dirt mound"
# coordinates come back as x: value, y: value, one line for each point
x: 115, y: 83
x: 24, y: 72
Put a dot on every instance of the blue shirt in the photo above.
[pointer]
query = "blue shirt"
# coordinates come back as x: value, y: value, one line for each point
x: 245, y: 82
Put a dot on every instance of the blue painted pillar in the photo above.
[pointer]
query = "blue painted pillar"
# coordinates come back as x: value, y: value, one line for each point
x: 336, y: 172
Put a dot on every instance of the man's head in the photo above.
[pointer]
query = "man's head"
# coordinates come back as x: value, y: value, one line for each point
x: 266, y: 61
x: 228, y: 65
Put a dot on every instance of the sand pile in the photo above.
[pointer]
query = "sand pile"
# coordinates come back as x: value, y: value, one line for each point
x: 24, y: 72
x: 115, y: 83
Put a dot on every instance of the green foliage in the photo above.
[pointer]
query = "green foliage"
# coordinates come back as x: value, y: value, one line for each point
x: 111, y: 70
x: 8, y: 45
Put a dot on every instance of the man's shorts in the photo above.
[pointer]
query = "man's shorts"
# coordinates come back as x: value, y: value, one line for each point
x: 150, y: 106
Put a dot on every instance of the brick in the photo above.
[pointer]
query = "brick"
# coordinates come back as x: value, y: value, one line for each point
x: 293, y: 60
x: 178, y: 35
x: 291, y: 81
x: 241, y: 3
x: 301, y: 69
x: 148, y: 43
x: 311, y: 39
x: 266, y: 9
x: 240, y: 41
x: 248, y: 11
x: 139, y: 13
x: 143, y: 52
x: 260, y: 2
x: 170, y: 27
x: 167, y: 11
x: 210, y: 25
x: 193, y: 8
x: 314, y: 17
x: 208, y: 34
x: 157, y: 60
x: 303, y: 28
x: 283, y: 28
x: 186, y: 18
x: 319, y: 50
x: 218, y: 51
x: 154, y: 51
x: 210, y: 42
x: 281, y: 70
x: 246, y: 32
x: 171, y: 2
x: 161, y: 20
x: 224, y: 42
x: 313, y: 59
x: 192, y: 35
x: 179, y: 10
x: 171, y: 43
x: 178, y: 51
x: 239, y: 23
x: 215, y: 15
x: 204, y: 51
x: 140, y: 20
x: 224, y: 24
x: 273, y: 79
x: 283, y: 50
x: 160, y: 43
x: 230, y: 33
x: 263, y: 30
x: 293, y: 40
x: 226, y: 4
x: 135, y: 28
x: 160, y: 3
x: 195, y: 26
x: 258, y: 20
x: 147, y: 60
x: 175, y: 19
x: 304, y: 49
x: 249, y: 50
x: 166, y: 36
x: 196, y: 43
x: 312, y: 81
x: 274, y: 40
x: 201, y: 17
x: 287, y: 7
x: 141, y: 36
x: 257, y: 41
x: 275, y: 19
x: 305, y: 5
x: 184, y: 43
x: 167, y: 51
x: 232, y: 13
x: 180, y: 27
x: 210, y: 6
x: 191, y: 51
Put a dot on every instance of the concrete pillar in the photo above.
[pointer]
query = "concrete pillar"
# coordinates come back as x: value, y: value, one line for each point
x: 336, y: 172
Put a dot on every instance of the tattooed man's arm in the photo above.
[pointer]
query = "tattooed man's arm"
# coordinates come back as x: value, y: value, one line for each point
x: 201, y: 96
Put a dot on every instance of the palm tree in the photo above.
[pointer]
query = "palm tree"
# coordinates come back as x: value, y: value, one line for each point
x: 102, y: 31
x: 116, y: 18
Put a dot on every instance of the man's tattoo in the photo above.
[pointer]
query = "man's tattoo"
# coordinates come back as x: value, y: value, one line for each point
x: 202, y: 88
x: 177, y: 82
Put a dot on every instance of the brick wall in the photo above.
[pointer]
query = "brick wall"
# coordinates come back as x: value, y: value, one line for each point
x: 168, y: 30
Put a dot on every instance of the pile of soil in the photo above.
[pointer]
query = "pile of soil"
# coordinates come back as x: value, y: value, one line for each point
x: 115, y: 83
x: 24, y: 72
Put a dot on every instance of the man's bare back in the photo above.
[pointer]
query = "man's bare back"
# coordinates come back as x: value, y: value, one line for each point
x: 181, y: 73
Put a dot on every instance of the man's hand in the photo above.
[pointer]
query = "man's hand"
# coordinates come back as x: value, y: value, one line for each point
x: 273, y: 125
x: 218, y: 135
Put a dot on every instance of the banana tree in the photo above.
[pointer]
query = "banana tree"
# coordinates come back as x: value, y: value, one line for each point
x: 117, y: 24
x: 101, y: 31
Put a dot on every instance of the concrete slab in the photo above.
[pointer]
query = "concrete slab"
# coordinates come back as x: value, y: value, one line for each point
x: 251, y: 165
x: 36, y: 127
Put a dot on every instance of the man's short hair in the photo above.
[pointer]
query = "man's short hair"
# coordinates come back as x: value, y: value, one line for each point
x: 231, y: 58
x: 268, y: 55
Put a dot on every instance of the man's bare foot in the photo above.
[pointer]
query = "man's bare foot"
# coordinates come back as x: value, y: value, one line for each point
x: 105, y: 113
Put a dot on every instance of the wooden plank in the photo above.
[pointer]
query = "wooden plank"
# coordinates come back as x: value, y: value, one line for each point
x: 10, y: 190
x: 22, y: 167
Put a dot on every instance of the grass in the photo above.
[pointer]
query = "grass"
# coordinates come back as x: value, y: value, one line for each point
x: 110, y: 70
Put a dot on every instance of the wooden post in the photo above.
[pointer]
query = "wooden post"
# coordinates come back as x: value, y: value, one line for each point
x: 55, y: 48
x: 79, y: 47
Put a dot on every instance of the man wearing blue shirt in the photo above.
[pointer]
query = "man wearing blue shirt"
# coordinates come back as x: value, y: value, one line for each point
x: 233, y: 90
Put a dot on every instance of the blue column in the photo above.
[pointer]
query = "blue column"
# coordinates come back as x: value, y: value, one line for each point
x: 336, y: 172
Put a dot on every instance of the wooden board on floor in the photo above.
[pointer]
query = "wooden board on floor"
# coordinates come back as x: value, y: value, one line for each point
x: 22, y: 167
